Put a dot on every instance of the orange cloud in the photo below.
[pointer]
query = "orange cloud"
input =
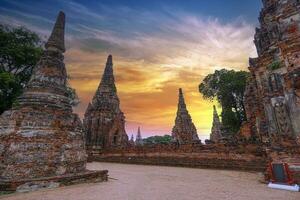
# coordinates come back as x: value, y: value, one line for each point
x: 150, y: 69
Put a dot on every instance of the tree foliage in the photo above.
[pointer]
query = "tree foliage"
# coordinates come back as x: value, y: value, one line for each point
x: 227, y: 87
x: 166, y: 139
x: 20, y: 51
x: 9, y: 90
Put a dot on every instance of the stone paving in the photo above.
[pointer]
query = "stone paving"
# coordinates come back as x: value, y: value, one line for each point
x: 139, y: 182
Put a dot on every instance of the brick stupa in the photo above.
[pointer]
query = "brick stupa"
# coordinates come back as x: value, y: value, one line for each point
x: 41, y: 139
x: 138, y: 138
x: 216, y: 132
x: 272, y: 98
x: 103, y: 120
x: 184, y: 130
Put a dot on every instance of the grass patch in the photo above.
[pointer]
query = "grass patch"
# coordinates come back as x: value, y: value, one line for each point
x: 275, y: 65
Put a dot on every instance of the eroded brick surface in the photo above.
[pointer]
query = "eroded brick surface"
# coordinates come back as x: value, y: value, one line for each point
x: 184, y: 130
x: 41, y: 137
x: 103, y: 120
x: 272, y: 94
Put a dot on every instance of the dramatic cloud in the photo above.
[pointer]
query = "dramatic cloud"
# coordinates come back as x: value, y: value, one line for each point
x: 154, y: 54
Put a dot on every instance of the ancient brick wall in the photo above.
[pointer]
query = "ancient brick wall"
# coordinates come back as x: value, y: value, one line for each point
x: 251, y: 158
x: 41, y: 139
x: 272, y: 94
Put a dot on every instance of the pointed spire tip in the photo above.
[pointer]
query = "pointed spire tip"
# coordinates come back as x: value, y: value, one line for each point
x: 109, y: 59
x: 57, y: 37
x: 180, y: 93
x: 61, y: 14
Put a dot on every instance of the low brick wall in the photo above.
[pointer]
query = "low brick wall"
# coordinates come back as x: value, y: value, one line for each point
x: 185, y: 160
x: 249, y: 158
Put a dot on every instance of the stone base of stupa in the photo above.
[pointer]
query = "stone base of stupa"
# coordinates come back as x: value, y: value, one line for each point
x: 25, y: 185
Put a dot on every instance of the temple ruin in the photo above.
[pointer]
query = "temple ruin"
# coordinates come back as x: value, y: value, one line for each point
x: 272, y: 98
x: 272, y: 104
x: 216, y: 129
x: 103, y: 120
x: 131, y: 141
x: 41, y: 139
x: 184, y: 130
x: 138, y: 138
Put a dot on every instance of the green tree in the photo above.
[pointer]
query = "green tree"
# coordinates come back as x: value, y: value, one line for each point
x: 227, y: 87
x: 166, y: 139
x: 20, y: 51
x: 9, y: 90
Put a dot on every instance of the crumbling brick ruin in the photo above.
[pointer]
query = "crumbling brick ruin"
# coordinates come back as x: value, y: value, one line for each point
x: 41, y: 139
x: 184, y: 130
x: 272, y: 103
x: 216, y: 129
x: 272, y: 99
x: 103, y: 120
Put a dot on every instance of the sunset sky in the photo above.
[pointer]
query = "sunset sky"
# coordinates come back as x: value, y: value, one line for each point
x: 157, y: 47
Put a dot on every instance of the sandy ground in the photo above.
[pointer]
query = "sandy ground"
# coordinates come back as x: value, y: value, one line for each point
x: 138, y: 182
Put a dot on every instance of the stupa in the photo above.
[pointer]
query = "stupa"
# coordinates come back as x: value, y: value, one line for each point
x: 216, y: 132
x: 103, y: 120
x: 184, y: 130
x: 41, y: 139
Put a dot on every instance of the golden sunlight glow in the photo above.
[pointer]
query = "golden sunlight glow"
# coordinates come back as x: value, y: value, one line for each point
x: 148, y: 92
x: 150, y: 68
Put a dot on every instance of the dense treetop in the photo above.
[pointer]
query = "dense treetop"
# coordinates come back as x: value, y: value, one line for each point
x: 227, y: 87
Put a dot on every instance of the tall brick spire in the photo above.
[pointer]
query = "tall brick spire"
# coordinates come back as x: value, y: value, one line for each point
x: 106, y: 94
x: 184, y: 130
x: 57, y: 37
x: 49, y: 75
x: 181, y: 102
x: 46, y: 136
x: 216, y: 133
x: 104, y: 120
x: 108, y: 80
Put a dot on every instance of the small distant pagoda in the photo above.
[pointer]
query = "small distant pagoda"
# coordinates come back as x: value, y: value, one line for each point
x: 216, y: 132
x: 41, y: 139
x: 139, y: 139
x: 131, y: 141
x: 103, y: 120
x: 184, y: 130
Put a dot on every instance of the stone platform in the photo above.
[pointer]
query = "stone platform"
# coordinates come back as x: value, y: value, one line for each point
x: 25, y: 185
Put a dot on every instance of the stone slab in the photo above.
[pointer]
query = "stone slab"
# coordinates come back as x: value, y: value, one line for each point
x: 25, y: 185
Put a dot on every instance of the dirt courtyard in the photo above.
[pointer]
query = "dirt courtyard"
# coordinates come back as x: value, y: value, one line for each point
x: 139, y: 182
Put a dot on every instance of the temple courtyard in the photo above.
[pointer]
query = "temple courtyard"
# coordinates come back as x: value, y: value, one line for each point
x: 140, y: 182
